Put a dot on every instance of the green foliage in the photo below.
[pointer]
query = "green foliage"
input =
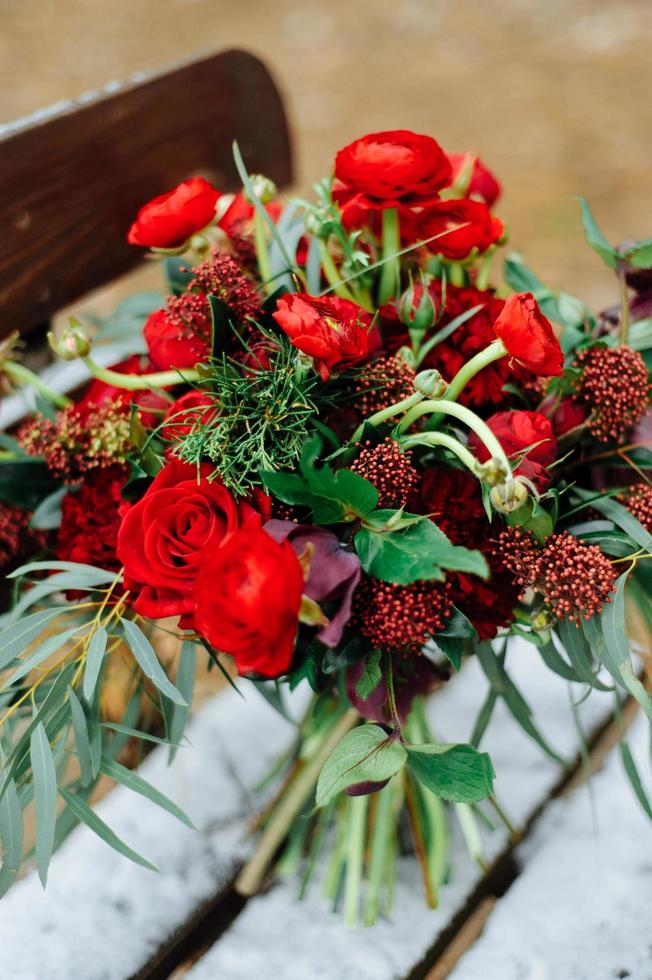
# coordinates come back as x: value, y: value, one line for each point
x: 366, y: 754
x: 25, y: 482
x: 458, y: 773
x: 532, y: 517
x: 370, y: 677
x: 263, y: 419
x: 407, y: 548
x: 451, y: 640
x: 638, y: 254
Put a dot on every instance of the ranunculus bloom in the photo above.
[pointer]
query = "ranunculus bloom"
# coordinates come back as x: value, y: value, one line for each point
x: 528, y: 336
x: 478, y: 228
x: 184, y: 414
x: 482, y: 184
x: 516, y: 431
x: 385, y: 170
x: 566, y: 416
x: 170, y: 345
x: 150, y: 403
x: 333, y: 331
x: 248, y: 596
x: 162, y: 538
x: 169, y: 220
x: 333, y: 576
x: 241, y: 211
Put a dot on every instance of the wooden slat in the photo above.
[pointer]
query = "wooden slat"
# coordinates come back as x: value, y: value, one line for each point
x: 71, y: 184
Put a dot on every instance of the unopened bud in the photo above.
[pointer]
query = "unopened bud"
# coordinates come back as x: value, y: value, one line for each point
x: 508, y: 497
x: 316, y: 222
x: 417, y: 308
x: 541, y: 620
x: 72, y: 342
x: 263, y: 188
x: 493, y: 472
x: 430, y: 383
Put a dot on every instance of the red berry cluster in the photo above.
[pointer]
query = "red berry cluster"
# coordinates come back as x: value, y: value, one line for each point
x: 191, y: 313
x: 381, y: 383
x: 401, y: 618
x: 223, y: 277
x: 615, y: 389
x: 390, y: 471
x: 16, y: 535
x: 638, y: 501
x: 76, y: 443
x: 574, y: 579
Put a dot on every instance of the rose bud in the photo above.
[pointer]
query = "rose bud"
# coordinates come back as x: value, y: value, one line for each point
x: 417, y: 308
x: 263, y: 188
x: 430, y: 383
x: 508, y: 497
x: 72, y: 342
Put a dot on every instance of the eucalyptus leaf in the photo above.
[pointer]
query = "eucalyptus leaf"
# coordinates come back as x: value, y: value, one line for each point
x: 82, y: 743
x: 82, y: 811
x: 17, y: 637
x: 148, y: 662
x: 45, y: 798
x: 94, y: 657
x: 11, y: 835
x: 134, y: 782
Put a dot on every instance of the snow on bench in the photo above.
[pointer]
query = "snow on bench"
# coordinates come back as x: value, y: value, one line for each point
x: 580, y: 908
x: 103, y: 918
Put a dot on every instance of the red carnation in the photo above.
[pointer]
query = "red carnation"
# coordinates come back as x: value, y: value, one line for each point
x: 333, y: 331
x: 478, y: 228
x: 248, y: 595
x: 170, y: 344
x: 385, y: 170
x: 482, y: 184
x: 162, y: 538
x: 186, y: 412
x: 522, y: 432
x: 168, y: 221
x: 528, y: 336
x: 90, y: 521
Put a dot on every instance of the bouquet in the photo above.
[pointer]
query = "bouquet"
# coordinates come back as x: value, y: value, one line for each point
x: 338, y: 454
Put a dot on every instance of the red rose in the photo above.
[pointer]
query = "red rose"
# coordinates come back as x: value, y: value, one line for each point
x: 170, y: 344
x: 385, y: 170
x: 168, y: 221
x: 162, y: 537
x: 528, y: 336
x: 333, y: 331
x: 148, y: 402
x: 248, y: 595
x: 522, y: 432
x: 482, y: 184
x: 184, y: 414
x: 479, y: 229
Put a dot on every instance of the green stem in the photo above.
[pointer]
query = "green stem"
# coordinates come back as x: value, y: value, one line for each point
x: 355, y: 857
x: 456, y: 274
x: 23, y: 375
x: 262, y: 253
x: 390, y: 275
x: 387, y: 413
x: 492, y: 353
x: 447, y: 442
x: 379, y: 852
x: 442, y: 406
x: 624, y: 304
x: 391, y: 694
x: 332, y: 275
x: 137, y: 382
x: 249, y: 880
x: 482, y: 279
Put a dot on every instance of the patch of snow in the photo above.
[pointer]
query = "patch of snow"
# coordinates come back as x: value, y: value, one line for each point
x: 580, y: 908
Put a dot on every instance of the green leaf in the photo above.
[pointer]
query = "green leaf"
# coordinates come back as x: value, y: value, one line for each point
x: 15, y: 638
x: 220, y: 324
x: 88, y: 574
x: 83, y: 812
x: 11, y: 835
x: 185, y: 683
x: 45, y: 798
x: 532, y: 517
x: 579, y: 653
x: 148, y: 662
x: 26, y: 482
x: 634, y: 777
x: 458, y: 773
x: 139, y: 785
x: 366, y: 754
x: 370, y: 677
x: 407, y: 554
x: 94, y: 658
x: 622, y: 517
x: 595, y: 238
x: 82, y: 743
x: 555, y: 662
x: 640, y: 254
x: 43, y: 651
x: 47, y: 515
x: 129, y: 732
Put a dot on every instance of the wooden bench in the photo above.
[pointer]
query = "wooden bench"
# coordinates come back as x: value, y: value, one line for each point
x: 70, y: 182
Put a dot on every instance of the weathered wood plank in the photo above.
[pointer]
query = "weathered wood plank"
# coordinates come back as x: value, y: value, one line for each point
x: 71, y: 182
x: 580, y: 908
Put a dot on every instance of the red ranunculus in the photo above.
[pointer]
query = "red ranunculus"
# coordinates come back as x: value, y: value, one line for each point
x: 385, y: 170
x: 248, y: 595
x: 163, y: 537
x: 188, y: 410
x: 516, y: 432
x: 241, y: 211
x: 478, y: 228
x: 170, y: 345
x: 168, y: 221
x: 566, y: 416
x: 151, y: 404
x: 333, y: 331
x: 482, y: 184
x: 528, y: 336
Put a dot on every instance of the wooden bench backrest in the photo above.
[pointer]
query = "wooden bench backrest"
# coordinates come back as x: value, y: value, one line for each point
x: 72, y: 181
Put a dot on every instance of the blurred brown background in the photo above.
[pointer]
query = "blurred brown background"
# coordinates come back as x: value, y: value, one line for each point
x: 553, y: 94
